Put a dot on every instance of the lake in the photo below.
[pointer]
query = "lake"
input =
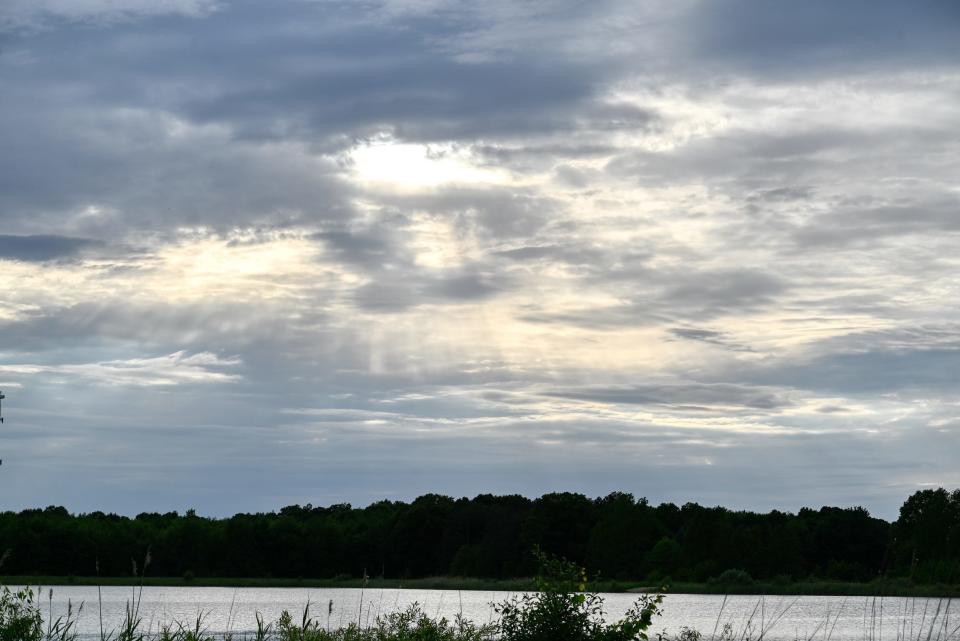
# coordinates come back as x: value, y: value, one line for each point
x: 816, y: 618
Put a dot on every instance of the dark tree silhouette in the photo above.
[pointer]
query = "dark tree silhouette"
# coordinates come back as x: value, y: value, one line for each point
x: 617, y: 536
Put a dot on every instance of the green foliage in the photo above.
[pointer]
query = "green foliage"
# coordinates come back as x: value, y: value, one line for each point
x: 625, y: 530
x: 689, y: 634
x: 664, y: 558
x: 409, y: 625
x: 488, y: 537
x: 926, y: 537
x: 732, y: 578
x: 20, y: 618
x: 562, y: 608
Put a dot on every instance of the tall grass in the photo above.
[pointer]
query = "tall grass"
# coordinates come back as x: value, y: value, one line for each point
x: 540, y: 616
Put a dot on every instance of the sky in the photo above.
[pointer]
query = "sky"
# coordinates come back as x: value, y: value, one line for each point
x: 260, y: 253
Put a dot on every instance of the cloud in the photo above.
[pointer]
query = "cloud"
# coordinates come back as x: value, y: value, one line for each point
x: 914, y: 363
x: 653, y: 296
x: 680, y: 248
x: 853, y: 225
x: 41, y: 248
x: 172, y: 369
x: 395, y: 294
x: 36, y: 13
x: 683, y: 395
x: 709, y: 337
x: 821, y: 36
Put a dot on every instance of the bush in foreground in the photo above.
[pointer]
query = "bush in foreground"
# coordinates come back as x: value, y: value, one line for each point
x: 562, y: 608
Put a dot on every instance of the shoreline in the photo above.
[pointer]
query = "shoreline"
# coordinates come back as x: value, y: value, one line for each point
x: 888, y: 588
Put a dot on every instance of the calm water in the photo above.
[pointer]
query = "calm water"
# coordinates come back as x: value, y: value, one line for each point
x: 808, y: 617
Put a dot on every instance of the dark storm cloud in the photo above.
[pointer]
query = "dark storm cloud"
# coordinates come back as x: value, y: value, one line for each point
x: 41, y: 248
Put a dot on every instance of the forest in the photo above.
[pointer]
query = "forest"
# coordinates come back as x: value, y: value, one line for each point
x: 615, y: 537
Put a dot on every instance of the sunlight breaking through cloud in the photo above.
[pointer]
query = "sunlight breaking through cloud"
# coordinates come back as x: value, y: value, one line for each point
x: 621, y: 246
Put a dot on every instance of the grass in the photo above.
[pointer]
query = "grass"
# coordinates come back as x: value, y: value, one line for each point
x: 560, y: 610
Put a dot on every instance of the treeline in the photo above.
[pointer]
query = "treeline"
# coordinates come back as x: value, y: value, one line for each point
x: 616, y: 536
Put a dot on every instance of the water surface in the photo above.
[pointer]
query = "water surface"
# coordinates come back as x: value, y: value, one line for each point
x: 813, y: 618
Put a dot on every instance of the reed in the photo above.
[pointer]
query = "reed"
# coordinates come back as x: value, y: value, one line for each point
x: 561, y: 609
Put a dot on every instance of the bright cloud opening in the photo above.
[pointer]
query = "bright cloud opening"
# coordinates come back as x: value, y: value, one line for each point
x: 413, y: 167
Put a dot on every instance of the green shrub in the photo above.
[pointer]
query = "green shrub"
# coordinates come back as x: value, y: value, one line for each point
x: 20, y: 618
x: 732, y: 578
x: 689, y: 634
x: 562, y: 608
x: 409, y: 625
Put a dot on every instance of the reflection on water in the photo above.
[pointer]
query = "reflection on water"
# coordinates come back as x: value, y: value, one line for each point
x: 814, y: 618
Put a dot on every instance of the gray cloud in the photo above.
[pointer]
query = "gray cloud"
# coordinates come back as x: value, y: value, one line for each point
x: 670, y: 296
x: 40, y: 248
x: 821, y: 36
x: 710, y: 337
x: 37, y: 14
x: 688, y: 395
x: 710, y: 237
x: 916, y: 363
x: 852, y: 225
x: 393, y: 294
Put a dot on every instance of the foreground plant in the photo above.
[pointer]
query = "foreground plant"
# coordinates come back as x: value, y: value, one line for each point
x: 411, y: 624
x: 562, y: 608
x: 20, y: 618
